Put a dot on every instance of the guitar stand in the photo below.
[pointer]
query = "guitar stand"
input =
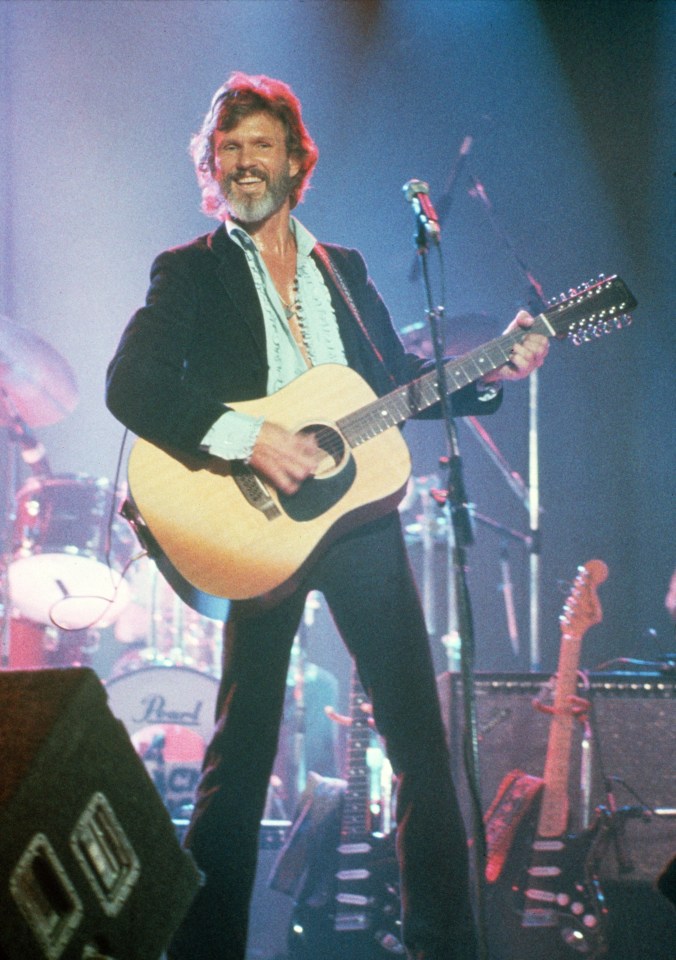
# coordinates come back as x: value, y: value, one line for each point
x: 613, y: 818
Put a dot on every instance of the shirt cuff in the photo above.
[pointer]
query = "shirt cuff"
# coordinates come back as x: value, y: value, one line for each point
x: 233, y: 436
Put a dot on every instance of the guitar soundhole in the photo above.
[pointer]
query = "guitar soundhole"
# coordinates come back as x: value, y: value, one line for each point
x: 333, y: 445
x: 334, y: 477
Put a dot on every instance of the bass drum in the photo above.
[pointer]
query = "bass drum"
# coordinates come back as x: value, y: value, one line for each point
x: 169, y: 715
x: 33, y: 646
x: 67, y: 557
x: 28, y: 644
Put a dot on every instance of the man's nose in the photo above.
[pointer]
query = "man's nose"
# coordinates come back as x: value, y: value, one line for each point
x: 245, y: 158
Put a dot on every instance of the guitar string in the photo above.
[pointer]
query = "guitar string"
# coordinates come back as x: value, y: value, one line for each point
x: 370, y: 420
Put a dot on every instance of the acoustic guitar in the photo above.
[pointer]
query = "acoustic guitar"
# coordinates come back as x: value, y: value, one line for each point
x: 229, y: 534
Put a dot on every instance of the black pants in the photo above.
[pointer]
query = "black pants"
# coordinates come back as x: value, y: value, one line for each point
x: 368, y: 585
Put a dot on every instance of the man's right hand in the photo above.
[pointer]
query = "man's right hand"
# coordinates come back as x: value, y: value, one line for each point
x: 283, y: 458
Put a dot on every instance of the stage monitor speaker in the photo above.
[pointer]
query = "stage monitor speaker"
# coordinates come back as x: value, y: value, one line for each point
x: 633, y: 751
x: 89, y: 861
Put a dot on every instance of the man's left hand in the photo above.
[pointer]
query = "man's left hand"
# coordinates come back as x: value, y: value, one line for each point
x: 525, y: 356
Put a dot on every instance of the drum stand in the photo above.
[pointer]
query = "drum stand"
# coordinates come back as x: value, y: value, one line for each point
x: 58, y: 647
x: 8, y: 517
x: 10, y: 470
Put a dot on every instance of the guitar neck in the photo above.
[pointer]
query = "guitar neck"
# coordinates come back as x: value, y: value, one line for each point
x: 406, y: 402
x: 581, y: 611
x: 554, y: 809
x: 355, y: 822
x: 586, y: 313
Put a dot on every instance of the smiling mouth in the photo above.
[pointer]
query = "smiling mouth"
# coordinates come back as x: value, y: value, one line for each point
x: 248, y: 182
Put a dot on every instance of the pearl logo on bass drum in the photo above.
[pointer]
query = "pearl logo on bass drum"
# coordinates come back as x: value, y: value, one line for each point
x: 168, y: 713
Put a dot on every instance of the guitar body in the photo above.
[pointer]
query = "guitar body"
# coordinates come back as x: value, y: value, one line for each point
x: 349, y: 907
x: 227, y: 533
x: 230, y: 535
x: 313, y: 933
x: 546, y: 903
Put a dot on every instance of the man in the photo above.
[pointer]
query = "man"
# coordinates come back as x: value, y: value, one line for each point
x: 236, y: 315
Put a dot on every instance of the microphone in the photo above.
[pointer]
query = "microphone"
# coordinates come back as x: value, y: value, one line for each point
x: 417, y: 193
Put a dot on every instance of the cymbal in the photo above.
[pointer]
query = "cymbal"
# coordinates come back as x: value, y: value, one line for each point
x: 461, y: 333
x: 36, y: 383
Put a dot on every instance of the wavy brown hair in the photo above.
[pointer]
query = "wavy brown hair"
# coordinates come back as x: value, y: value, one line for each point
x: 239, y: 97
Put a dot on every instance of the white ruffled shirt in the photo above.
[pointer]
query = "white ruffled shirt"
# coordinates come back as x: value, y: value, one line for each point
x: 234, y: 434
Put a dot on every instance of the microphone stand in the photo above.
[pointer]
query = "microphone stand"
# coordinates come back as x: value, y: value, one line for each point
x: 537, y: 304
x: 506, y: 534
x: 456, y: 498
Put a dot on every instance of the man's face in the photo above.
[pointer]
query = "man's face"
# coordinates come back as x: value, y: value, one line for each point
x: 253, y: 168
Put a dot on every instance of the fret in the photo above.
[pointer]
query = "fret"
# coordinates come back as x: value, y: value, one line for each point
x: 405, y: 402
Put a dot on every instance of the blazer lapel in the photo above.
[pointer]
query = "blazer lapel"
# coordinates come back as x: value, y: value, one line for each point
x: 235, y: 276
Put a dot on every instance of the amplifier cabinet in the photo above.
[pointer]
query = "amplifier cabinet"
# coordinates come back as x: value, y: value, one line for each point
x: 632, y: 755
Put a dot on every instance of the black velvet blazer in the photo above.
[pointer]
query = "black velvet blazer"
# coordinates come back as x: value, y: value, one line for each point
x: 199, y: 342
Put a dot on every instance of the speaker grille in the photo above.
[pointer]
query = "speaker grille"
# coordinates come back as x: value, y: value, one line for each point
x: 633, y: 751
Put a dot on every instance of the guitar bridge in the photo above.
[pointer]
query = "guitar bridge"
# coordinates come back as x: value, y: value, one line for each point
x: 254, y: 490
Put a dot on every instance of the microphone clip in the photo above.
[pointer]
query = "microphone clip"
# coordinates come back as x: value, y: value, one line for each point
x: 417, y: 194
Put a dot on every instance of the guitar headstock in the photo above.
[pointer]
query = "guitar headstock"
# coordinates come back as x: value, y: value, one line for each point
x: 582, y: 609
x: 591, y: 310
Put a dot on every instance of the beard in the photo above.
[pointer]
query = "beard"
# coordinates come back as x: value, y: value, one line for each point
x: 254, y: 209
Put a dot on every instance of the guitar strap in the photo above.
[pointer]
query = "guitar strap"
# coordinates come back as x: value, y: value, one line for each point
x: 512, y: 802
x: 337, y: 278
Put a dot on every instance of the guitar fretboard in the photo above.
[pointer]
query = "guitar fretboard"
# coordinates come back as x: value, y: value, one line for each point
x: 355, y: 823
x: 407, y: 401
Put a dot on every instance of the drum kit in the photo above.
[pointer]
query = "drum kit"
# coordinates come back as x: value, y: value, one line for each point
x: 74, y: 579
x: 54, y: 534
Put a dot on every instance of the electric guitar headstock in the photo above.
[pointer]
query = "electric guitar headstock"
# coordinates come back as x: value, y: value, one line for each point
x: 582, y: 609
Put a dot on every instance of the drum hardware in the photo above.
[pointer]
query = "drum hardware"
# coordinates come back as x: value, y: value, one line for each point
x: 37, y: 389
x: 39, y: 646
x: 159, y: 629
x: 66, y: 555
x: 462, y: 334
x: 37, y: 384
x: 62, y: 555
x: 432, y: 530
